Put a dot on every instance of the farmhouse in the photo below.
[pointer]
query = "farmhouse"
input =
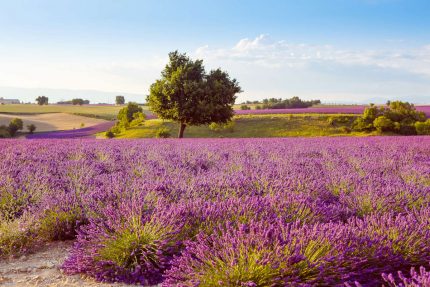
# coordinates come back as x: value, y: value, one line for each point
x: 8, y: 101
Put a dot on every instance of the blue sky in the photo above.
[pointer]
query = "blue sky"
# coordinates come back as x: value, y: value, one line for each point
x: 344, y: 51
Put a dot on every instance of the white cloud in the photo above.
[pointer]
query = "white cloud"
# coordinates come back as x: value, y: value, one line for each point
x: 267, y: 68
x: 278, y: 54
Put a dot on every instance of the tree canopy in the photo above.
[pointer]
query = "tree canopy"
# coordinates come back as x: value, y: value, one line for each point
x: 14, y: 126
x: 188, y: 95
x: 119, y: 100
x: 42, y: 100
x: 398, y: 117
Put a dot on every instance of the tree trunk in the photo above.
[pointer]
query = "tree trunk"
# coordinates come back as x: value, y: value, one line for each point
x: 181, y: 130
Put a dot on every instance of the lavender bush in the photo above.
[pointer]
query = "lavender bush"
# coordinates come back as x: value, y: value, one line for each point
x: 230, y: 212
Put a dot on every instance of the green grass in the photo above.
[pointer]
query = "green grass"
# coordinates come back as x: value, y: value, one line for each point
x: 246, y: 126
x: 102, y: 112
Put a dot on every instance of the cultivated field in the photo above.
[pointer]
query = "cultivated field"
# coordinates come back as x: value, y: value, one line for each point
x: 52, y: 121
x: 225, y: 212
x: 108, y: 112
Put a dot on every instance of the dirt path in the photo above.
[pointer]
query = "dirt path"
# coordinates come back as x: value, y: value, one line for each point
x: 42, y: 269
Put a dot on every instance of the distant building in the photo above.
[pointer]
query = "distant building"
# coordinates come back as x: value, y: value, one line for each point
x: 9, y: 101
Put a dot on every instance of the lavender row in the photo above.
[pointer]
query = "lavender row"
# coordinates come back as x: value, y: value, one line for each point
x: 76, y: 133
x: 321, y: 110
x: 239, y: 212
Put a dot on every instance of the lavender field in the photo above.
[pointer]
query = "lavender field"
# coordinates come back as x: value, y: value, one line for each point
x: 239, y: 212
x: 319, y: 110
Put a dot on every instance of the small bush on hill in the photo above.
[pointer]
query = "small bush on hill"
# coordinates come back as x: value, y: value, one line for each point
x: 163, y: 132
x: 218, y: 127
x: 383, y: 124
x: 245, y: 107
x: 14, y: 126
x: 398, y: 117
x: 31, y: 128
x: 109, y: 134
x: 423, y: 128
x: 129, y: 113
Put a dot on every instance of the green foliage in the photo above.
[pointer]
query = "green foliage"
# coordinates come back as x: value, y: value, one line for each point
x: 258, y: 107
x: 398, y: 117
x: 109, y: 134
x: 246, y: 126
x: 248, y: 268
x: 383, y: 124
x: 292, y: 103
x: 245, y: 107
x: 345, y: 130
x: 219, y: 127
x: 126, y: 114
x: 119, y: 100
x: 138, y: 119
x: 12, y: 205
x: 188, y: 95
x: 60, y: 224
x: 80, y: 102
x: 163, y: 132
x: 42, y: 100
x: 136, y: 242
x: 423, y: 128
x: 335, y: 120
x: 14, y: 126
x: 407, y: 130
x: 14, y: 237
x: 31, y: 128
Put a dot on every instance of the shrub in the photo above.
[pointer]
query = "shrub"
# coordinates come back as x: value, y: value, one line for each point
x: 13, y: 204
x: 362, y: 125
x: 399, y: 117
x: 258, y: 107
x: 15, y: 237
x: 423, y: 128
x: 407, y: 130
x: 345, y: 130
x: 162, y: 132
x: 14, y: 126
x: 132, y: 250
x: 138, y: 119
x: 126, y: 114
x: 31, y: 128
x: 60, y: 224
x: 109, y: 134
x: 245, y: 107
x: 383, y: 124
x: 219, y: 127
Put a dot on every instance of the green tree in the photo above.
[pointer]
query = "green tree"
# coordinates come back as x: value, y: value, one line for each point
x: 119, y: 100
x: 78, y: 102
x: 129, y: 113
x: 190, y: 96
x: 42, y: 100
x: 14, y: 126
x: 31, y: 128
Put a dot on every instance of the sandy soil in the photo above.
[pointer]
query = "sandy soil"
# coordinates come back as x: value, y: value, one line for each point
x: 52, y: 122
x: 42, y: 269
